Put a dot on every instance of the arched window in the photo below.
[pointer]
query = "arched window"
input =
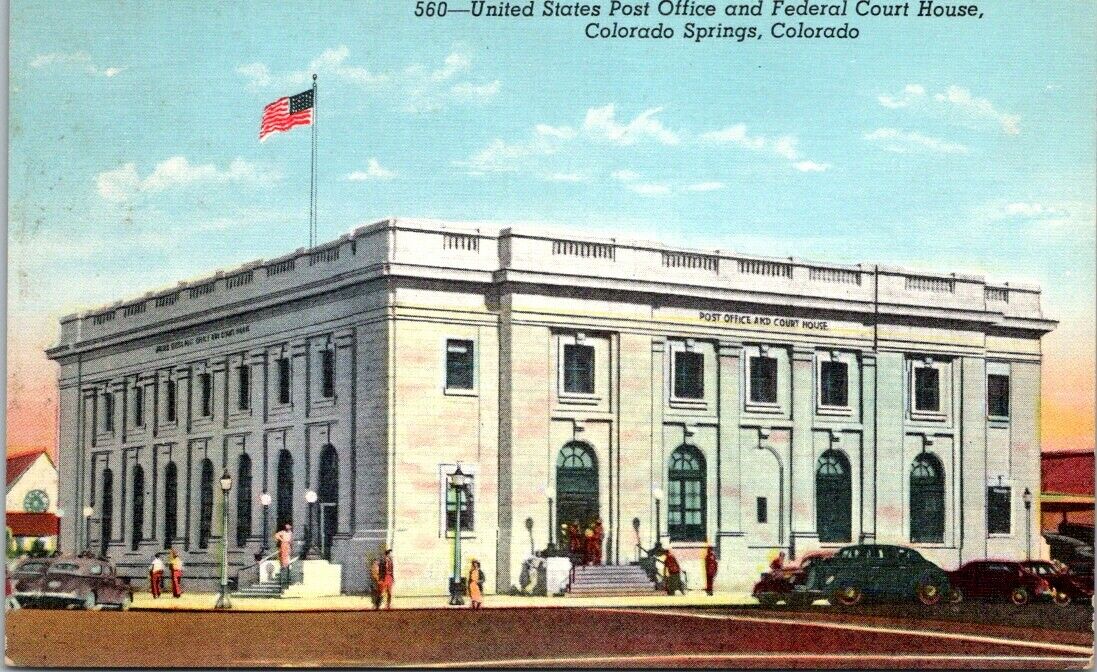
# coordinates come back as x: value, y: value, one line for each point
x: 285, y: 489
x: 833, y: 498
x: 171, y: 502
x: 243, y: 500
x: 137, y: 534
x: 686, y: 495
x: 107, y: 519
x: 205, y: 520
x: 576, y: 485
x: 328, y: 495
x: 927, y: 500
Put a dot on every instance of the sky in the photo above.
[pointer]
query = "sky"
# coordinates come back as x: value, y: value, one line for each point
x: 964, y: 145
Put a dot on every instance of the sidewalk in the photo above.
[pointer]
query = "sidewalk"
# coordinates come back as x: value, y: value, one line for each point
x: 205, y: 602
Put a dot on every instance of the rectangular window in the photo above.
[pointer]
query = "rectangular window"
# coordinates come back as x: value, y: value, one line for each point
x: 108, y: 412
x: 834, y: 384
x: 459, y: 365
x: 138, y: 406
x: 244, y: 388
x: 578, y: 369
x: 763, y: 380
x: 283, y: 380
x: 689, y: 375
x: 169, y: 402
x: 468, y: 510
x: 207, y: 394
x: 763, y: 514
x: 327, y: 387
x: 998, y: 395
x: 998, y: 510
x: 927, y: 389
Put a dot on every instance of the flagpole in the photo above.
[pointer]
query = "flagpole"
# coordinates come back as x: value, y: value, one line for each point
x: 312, y: 181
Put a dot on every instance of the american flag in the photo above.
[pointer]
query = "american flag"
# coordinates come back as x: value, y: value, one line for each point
x: 286, y: 113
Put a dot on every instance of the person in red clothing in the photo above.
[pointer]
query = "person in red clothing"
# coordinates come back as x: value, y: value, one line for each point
x: 711, y: 565
x: 156, y: 575
x: 176, y: 573
x: 589, y: 543
x: 673, y: 573
x: 575, y: 542
x: 599, y: 535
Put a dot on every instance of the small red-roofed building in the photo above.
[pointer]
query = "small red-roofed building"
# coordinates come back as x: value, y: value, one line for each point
x: 1067, y: 488
x: 31, y: 502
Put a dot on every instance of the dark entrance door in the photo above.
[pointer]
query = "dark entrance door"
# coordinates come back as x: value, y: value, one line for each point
x: 576, y: 487
x: 833, y: 498
x: 328, y: 497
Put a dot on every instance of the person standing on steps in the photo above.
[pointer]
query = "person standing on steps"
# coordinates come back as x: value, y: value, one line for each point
x: 284, y: 538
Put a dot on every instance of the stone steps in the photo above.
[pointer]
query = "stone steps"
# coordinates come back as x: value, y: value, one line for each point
x: 610, y: 581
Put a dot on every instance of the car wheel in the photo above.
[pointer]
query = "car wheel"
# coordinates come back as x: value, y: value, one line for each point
x: 1061, y: 598
x: 767, y: 600
x: 847, y: 596
x: 928, y: 593
x: 89, y: 602
x: 1019, y: 596
x: 955, y: 596
x: 127, y: 602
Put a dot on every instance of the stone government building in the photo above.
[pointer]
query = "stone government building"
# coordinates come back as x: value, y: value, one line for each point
x: 755, y: 403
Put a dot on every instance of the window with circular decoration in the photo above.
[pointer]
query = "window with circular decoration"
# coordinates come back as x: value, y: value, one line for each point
x: 36, y: 501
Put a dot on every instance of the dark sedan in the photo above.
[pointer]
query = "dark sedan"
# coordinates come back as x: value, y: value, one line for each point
x: 876, y: 571
x: 1066, y: 585
x: 996, y: 580
x: 778, y: 585
x: 70, y: 583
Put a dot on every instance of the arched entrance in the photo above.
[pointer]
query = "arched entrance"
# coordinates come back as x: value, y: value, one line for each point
x: 576, y: 485
x: 284, y: 514
x: 137, y: 531
x: 328, y: 496
x: 243, y: 500
x: 686, y: 495
x: 171, y: 503
x: 833, y: 498
x: 927, y: 500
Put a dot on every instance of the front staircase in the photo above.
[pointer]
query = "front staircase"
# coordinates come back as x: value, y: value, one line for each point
x: 609, y: 581
x: 308, y: 578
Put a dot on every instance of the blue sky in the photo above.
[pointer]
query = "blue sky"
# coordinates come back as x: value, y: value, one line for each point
x: 963, y: 146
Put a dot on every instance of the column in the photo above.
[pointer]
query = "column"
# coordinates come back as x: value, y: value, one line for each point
x: 868, y: 448
x: 972, y: 535
x: 802, y: 462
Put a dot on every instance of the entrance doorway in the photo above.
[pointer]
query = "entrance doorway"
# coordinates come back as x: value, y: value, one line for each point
x: 329, y: 497
x: 576, y: 487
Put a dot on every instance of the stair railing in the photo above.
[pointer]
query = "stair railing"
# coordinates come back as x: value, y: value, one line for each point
x: 250, y: 573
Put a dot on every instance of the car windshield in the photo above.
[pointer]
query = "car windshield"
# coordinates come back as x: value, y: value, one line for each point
x: 65, y: 568
x: 31, y: 568
x: 1042, y: 568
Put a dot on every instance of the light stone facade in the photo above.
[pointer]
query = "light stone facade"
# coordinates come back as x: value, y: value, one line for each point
x: 391, y: 300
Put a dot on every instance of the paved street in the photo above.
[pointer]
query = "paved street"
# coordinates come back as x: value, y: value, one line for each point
x: 563, y: 637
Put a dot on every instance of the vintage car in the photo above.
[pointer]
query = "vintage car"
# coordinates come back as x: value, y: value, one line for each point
x: 877, y: 571
x: 777, y: 585
x: 996, y: 580
x: 1066, y: 586
x: 70, y: 582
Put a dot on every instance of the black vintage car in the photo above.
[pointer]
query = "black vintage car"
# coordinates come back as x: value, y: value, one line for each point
x: 68, y: 582
x: 877, y: 571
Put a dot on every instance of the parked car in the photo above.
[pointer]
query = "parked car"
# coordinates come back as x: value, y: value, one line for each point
x: 70, y: 582
x: 996, y: 580
x: 1066, y: 585
x: 777, y: 585
x: 1073, y: 552
x: 877, y: 571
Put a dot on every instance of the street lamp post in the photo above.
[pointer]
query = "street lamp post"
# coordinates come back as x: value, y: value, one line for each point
x: 223, y: 601
x: 458, y: 480
x: 657, y: 493
x: 310, y: 548
x: 89, y: 511
x: 1027, y: 499
x: 550, y: 494
x: 264, y: 499
x: 60, y: 515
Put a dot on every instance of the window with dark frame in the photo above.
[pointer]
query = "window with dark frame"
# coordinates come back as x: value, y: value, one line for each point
x: 137, y: 530
x: 468, y: 510
x: 998, y: 395
x: 689, y: 375
x: 139, y: 406
x: 459, y: 365
x: 686, y: 495
x: 108, y: 412
x: 927, y: 389
x: 834, y: 383
x: 327, y: 365
x: 763, y: 380
x: 578, y: 368
x: 999, y: 502
x: 244, y: 387
x: 283, y: 380
x: 207, y: 394
x: 763, y: 513
x: 169, y: 402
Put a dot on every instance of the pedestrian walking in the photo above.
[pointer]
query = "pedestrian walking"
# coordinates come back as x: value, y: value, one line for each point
x: 476, y: 585
x: 383, y: 579
x: 284, y: 538
x: 673, y: 573
x: 156, y: 576
x: 176, y: 573
x: 599, y: 536
x: 711, y: 565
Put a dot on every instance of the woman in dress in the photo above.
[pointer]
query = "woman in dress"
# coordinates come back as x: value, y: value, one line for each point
x: 476, y: 585
x: 284, y: 537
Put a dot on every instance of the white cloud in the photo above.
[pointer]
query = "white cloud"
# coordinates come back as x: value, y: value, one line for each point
x: 558, y: 132
x: 784, y: 146
x: 124, y: 182
x: 649, y: 188
x: 902, y: 142
x: 416, y: 88
x: 625, y: 175
x: 1041, y: 219
x: 705, y: 186
x: 565, y: 177
x: 601, y: 124
x: 374, y: 171
x: 955, y: 102
x: 80, y: 60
